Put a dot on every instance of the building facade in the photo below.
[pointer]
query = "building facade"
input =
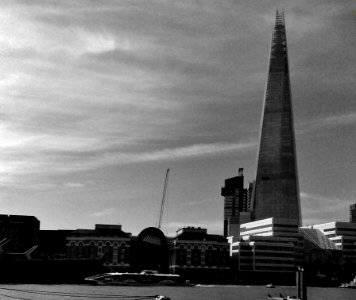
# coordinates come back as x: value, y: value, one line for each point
x: 18, y: 234
x: 237, y: 204
x: 322, y: 258
x: 107, y: 243
x: 343, y: 235
x: 271, y: 245
x: 195, y: 254
x: 277, y: 190
x: 353, y: 213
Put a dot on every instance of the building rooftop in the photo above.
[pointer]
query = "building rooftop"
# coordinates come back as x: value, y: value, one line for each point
x: 316, y: 237
x: 198, y: 234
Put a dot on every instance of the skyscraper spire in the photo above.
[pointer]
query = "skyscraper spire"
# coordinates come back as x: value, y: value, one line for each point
x: 277, y: 189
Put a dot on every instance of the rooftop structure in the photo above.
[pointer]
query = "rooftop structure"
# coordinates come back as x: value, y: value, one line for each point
x: 342, y: 234
x: 318, y: 239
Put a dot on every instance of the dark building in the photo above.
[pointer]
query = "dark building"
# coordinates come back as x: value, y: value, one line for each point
x: 236, y: 204
x: 353, y: 213
x: 199, y: 256
x: 107, y: 243
x: 150, y: 251
x: 53, y: 244
x: 277, y: 190
x: 18, y: 234
x: 322, y: 257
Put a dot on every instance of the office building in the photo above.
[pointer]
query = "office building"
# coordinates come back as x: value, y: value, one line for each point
x: 353, y: 213
x: 276, y: 189
x: 270, y: 245
x: 322, y: 258
x: 237, y: 204
x: 343, y: 235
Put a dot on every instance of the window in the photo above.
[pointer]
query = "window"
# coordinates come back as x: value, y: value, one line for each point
x: 196, y: 256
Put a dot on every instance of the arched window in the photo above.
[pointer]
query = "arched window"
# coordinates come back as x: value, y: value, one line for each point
x: 80, y: 250
x: 196, y: 256
x: 93, y: 250
x: 72, y: 250
x: 181, y: 256
x: 209, y: 256
x: 108, y: 253
x: 225, y: 256
x: 218, y: 256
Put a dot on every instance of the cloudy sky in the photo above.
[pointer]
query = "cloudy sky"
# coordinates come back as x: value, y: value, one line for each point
x: 99, y: 98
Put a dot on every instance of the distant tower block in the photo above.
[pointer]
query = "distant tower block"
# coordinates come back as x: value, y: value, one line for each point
x: 236, y: 204
x: 353, y: 213
x: 277, y: 190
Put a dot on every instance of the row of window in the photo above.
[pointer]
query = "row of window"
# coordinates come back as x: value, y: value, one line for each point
x: 97, y: 243
x: 202, y: 247
x: 106, y: 254
x: 211, y: 257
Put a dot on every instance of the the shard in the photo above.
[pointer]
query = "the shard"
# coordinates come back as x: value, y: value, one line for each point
x: 277, y: 190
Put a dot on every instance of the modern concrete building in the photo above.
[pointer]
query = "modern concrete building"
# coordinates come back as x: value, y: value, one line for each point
x: 276, y: 190
x: 322, y: 258
x: 343, y: 235
x: 237, y: 204
x: 269, y: 245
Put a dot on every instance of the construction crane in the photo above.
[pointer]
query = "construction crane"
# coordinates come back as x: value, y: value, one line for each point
x: 163, y: 199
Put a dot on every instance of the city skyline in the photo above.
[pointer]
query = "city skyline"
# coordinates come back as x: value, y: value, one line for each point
x: 97, y: 101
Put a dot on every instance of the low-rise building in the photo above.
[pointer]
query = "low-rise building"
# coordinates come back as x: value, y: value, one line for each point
x: 18, y: 233
x: 270, y: 245
x: 343, y: 235
x: 322, y: 258
x: 196, y: 254
x: 106, y: 242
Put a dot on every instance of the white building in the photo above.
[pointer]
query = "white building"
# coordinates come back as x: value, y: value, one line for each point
x: 343, y: 234
x: 269, y: 245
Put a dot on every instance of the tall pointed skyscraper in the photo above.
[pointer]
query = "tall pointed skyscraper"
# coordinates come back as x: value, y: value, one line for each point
x: 277, y: 190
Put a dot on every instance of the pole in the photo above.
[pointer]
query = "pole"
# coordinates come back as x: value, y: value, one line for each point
x: 297, y: 282
x: 304, y: 286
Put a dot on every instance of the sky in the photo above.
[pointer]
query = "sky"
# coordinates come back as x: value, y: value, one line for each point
x: 99, y: 98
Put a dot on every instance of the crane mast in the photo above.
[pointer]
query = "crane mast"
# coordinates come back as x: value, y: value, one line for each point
x: 163, y: 199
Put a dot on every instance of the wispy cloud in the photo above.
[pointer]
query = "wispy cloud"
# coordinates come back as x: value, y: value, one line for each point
x: 197, y: 203
x: 104, y: 213
x: 74, y: 184
x: 321, y: 209
x: 334, y: 121
x: 60, y: 161
x: 90, y: 85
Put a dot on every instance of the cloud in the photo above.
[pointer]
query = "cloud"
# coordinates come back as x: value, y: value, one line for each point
x: 104, y: 213
x: 74, y: 184
x: 330, y: 122
x: 322, y: 209
x: 197, y: 203
x: 58, y: 161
